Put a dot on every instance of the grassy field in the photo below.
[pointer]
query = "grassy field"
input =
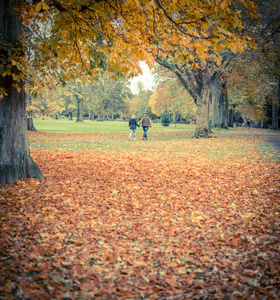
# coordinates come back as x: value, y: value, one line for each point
x: 169, y: 218
x: 65, y: 125
x: 109, y: 136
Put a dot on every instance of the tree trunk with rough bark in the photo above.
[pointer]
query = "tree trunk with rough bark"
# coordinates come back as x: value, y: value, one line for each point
x: 15, y: 159
x: 230, y: 118
x: 215, y: 98
x: 30, y: 124
x: 223, y: 106
x: 202, y: 123
x: 278, y: 125
x: 174, y: 116
x: 276, y: 110
x: 274, y: 116
x: 79, y: 109
x: 225, y: 96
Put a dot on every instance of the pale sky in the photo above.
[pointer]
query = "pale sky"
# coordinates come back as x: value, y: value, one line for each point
x: 147, y: 79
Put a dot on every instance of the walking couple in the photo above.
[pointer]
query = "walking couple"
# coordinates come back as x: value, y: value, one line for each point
x: 146, y: 123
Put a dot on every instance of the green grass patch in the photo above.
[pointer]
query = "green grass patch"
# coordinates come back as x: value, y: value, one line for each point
x: 110, y: 136
x: 67, y: 126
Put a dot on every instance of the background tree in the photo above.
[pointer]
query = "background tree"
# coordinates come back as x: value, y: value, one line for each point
x: 108, y: 97
x: 254, y: 76
x: 85, y: 37
x: 15, y: 159
x: 139, y: 102
x: 48, y: 103
x: 171, y: 96
x: 150, y: 113
x: 165, y: 119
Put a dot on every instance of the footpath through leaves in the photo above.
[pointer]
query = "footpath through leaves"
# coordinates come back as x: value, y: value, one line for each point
x: 194, y: 219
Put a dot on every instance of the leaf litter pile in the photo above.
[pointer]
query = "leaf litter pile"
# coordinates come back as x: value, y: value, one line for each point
x: 175, y: 222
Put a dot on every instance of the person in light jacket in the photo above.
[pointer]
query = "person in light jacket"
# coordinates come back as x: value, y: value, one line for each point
x: 146, y: 123
x: 132, y: 125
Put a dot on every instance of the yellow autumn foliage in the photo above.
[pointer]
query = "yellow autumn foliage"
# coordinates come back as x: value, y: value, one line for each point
x: 75, y: 39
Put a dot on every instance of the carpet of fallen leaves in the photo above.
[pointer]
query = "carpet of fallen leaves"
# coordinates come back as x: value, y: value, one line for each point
x: 179, y: 219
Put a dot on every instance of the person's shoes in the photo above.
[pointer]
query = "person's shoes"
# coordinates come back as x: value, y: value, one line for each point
x: 134, y: 138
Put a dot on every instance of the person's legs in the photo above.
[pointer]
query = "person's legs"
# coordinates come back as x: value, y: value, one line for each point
x: 145, y: 128
x: 131, y: 131
x: 134, y: 133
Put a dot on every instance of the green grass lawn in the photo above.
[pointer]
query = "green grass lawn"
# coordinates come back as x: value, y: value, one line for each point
x: 108, y: 136
x: 67, y: 126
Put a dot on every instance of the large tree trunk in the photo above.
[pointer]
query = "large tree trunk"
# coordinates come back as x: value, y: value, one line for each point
x: 275, y: 110
x: 215, y: 97
x: 225, y: 96
x: 278, y: 125
x: 231, y: 118
x: 220, y: 104
x: 15, y: 160
x: 274, y: 116
x: 79, y: 109
x: 223, y: 106
x: 202, y: 123
x: 30, y: 124
x: 174, y: 116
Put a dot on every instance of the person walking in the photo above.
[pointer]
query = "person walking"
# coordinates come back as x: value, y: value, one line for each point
x: 132, y: 125
x: 146, y: 123
x: 248, y: 124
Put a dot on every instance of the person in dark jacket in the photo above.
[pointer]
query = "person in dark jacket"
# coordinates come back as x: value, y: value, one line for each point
x: 146, y: 123
x: 248, y: 124
x: 132, y: 125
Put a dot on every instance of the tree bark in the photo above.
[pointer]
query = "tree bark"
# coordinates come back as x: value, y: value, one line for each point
x: 225, y: 113
x: 223, y: 106
x: 278, y: 124
x: 275, y: 110
x: 274, y: 116
x: 230, y: 118
x: 174, y: 116
x: 79, y: 109
x: 215, y: 97
x: 30, y: 125
x: 15, y: 159
x: 202, y: 123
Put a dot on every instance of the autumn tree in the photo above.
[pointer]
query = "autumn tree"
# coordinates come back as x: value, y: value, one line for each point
x: 82, y: 38
x: 171, y: 96
x: 268, y: 54
x: 15, y: 159
x: 197, y: 59
x: 48, y: 103
x: 107, y: 96
x: 140, y: 101
x: 254, y: 77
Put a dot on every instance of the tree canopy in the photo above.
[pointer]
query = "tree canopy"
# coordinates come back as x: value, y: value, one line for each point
x: 66, y: 39
x: 55, y: 41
